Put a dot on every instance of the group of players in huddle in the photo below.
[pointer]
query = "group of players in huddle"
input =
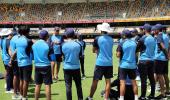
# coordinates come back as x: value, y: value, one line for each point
x: 146, y: 53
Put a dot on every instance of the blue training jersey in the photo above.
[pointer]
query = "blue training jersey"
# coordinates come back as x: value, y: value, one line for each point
x: 13, y: 44
x: 104, y: 45
x: 159, y: 54
x: 71, y: 51
x: 57, y: 47
x: 41, y: 52
x: 128, y: 52
x: 166, y: 40
x: 1, y: 47
x: 23, y: 53
x: 148, y: 45
x: 5, y: 54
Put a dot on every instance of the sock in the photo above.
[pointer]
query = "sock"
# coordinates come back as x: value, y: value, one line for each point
x: 121, y: 98
x: 24, y: 98
x: 89, y: 98
x: 136, y: 97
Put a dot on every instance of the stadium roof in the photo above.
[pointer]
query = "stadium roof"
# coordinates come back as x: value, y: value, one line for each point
x: 53, y: 1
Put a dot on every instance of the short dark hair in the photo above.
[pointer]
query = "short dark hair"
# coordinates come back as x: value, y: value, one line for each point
x: 129, y: 35
x: 23, y: 29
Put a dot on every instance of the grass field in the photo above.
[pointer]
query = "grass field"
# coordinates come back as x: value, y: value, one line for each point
x: 58, y: 89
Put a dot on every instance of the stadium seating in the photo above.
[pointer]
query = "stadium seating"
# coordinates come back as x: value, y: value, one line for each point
x: 84, y: 11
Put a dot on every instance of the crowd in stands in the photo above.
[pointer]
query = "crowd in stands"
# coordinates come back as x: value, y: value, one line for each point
x: 82, y: 11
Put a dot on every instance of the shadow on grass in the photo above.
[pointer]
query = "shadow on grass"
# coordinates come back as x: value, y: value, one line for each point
x: 61, y: 80
x: 168, y: 98
x: 115, y: 74
x: 32, y: 95
x: 31, y: 85
x: 42, y: 95
x: 2, y: 76
x: 31, y: 90
x: 89, y: 76
x: 55, y: 94
x: 92, y: 76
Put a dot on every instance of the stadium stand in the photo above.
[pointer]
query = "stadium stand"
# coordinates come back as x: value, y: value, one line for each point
x: 84, y: 11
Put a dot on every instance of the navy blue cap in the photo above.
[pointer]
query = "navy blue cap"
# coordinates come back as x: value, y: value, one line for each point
x: 159, y: 26
x: 134, y: 31
x: 43, y: 34
x: 69, y: 32
x: 154, y: 28
x: 126, y: 32
x: 147, y: 27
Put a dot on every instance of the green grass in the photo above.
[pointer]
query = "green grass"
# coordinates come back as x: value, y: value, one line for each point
x: 58, y: 89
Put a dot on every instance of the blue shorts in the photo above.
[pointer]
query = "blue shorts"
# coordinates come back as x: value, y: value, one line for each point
x: 160, y: 67
x: 25, y: 73
x: 53, y: 57
x: 100, y: 71
x: 43, y: 75
x: 123, y: 73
